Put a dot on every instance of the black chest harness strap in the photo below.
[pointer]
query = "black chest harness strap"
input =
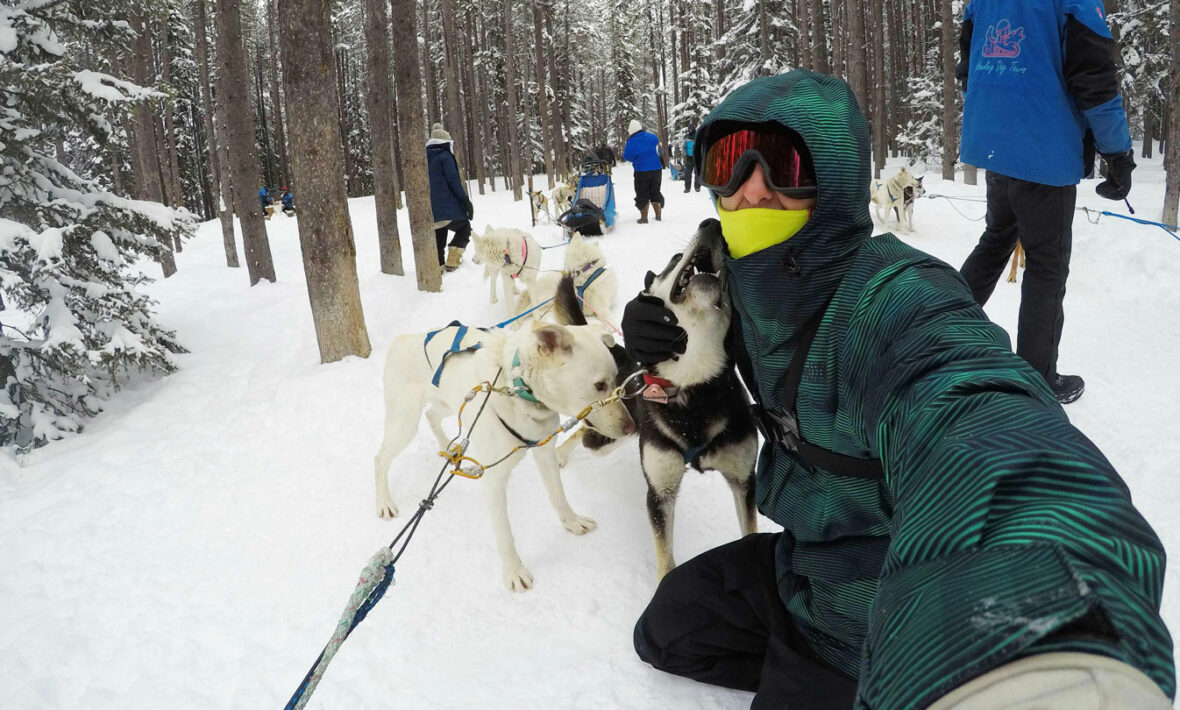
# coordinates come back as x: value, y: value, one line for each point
x: 783, y: 427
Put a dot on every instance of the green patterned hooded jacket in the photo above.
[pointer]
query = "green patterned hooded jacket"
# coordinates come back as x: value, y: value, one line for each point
x: 999, y: 530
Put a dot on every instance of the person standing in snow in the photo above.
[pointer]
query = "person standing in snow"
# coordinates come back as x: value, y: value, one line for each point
x: 643, y: 152
x: 265, y: 201
x: 950, y: 540
x: 449, y: 202
x: 689, y: 167
x: 1035, y: 152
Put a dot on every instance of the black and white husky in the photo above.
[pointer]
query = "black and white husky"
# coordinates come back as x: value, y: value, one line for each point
x: 694, y: 412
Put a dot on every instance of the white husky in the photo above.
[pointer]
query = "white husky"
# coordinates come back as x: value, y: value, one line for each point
x: 596, y: 289
x: 510, y: 254
x: 562, y: 196
x: 897, y: 195
x: 562, y: 369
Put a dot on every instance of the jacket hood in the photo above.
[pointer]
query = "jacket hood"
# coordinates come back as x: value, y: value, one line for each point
x: 440, y: 143
x: 822, y: 110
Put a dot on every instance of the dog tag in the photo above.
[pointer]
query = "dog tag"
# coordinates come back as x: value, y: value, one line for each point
x: 655, y: 393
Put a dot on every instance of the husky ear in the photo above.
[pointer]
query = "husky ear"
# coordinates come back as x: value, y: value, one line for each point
x: 552, y: 339
x: 921, y: 179
x: 608, y: 338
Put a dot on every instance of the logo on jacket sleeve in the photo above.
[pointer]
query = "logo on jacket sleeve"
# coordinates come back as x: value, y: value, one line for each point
x: 1003, y: 41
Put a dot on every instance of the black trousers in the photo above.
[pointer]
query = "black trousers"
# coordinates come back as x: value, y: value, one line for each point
x: 718, y: 619
x: 462, y: 230
x: 688, y: 175
x: 1041, y: 218
x: 647, y: 187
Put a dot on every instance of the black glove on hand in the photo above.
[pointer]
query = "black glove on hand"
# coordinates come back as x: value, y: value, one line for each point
x: 470, y: 211
x: 1118, y: 175
x: 650, y: 331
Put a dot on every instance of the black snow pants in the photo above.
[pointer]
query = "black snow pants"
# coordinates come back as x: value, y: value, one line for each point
x: 689, y: 165
x: 719, y: 619
x: 462, y: 230
x: 1041, y: 218
x: 647, y: 187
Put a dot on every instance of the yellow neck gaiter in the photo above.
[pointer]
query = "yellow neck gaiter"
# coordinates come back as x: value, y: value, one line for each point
x: 750, y: 230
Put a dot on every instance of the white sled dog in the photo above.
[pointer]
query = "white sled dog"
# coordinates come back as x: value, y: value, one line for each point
x: 562, y: 369
x: 596, y: 288
x: 508, y: 254
x: 898, y: 195
x: 563, y: 196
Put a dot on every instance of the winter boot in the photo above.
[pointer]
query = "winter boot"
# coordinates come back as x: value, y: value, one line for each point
x: 658, y: 208
x: 1067, y: 388
x: 454, y: 258
x: 643, y: 215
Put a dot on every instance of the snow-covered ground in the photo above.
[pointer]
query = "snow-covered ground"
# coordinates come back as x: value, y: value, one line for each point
x: 194, y: 547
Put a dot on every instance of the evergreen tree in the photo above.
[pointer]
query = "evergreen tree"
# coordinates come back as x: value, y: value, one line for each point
x: 74, y: 326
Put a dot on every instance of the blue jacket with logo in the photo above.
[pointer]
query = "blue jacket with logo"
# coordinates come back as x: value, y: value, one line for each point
x: 1039, y: 75
x: 643, y: 151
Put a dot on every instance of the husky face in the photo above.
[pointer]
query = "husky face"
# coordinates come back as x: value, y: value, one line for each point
x: 693, y: 287
x: 582, y: 257
x: 569, y: 367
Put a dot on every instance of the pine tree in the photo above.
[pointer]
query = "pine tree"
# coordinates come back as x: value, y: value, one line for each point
x: 74, y: 324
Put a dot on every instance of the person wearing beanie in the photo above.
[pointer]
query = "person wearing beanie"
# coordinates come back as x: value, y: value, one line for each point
x: 449, y: 202
x: 949, y: 539
x: 643, y: 152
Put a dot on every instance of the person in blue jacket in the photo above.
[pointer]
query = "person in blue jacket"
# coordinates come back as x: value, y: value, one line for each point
x: 643, y: 152
x: 689, y: 163
x: 1042, y: 93
x: 288, y: 201
x: 265, y: 202
x: 449, y: 202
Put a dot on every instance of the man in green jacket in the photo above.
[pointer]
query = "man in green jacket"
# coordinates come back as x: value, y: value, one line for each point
x: 950, y: 540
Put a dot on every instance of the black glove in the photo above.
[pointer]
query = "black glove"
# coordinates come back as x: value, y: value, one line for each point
x: 470, y: 211
x: 1118, y: 175
x: 650, y: 331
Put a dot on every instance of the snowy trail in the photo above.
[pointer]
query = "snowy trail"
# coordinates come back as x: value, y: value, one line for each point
x: 194, y: 547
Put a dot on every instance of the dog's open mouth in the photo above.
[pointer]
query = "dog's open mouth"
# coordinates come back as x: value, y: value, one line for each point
x: 698, y: 275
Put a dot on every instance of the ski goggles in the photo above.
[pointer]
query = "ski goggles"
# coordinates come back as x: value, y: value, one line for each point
x: 786, y: 166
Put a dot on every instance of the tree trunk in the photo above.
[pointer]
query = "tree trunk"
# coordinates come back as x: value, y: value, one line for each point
x: 543, y: 95
x: 1172, y: 127
x: 325, y: 231
x: 412, y: 133
x: 428, y: 67
x: 148, y: 173
x: 857, y: 66
x: 242, y: 149
x: 453, y: 116
x: 224, y: 209
x: 170, y: 130
x: 474, y: 103
x: 877, y: 32
x: 276, y: 101
x: 381, y: 134
x: 510, y: 84
x: 950, y: 93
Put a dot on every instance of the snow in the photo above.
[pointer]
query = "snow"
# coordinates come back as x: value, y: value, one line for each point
x: 107, y: 87
x: 194, y: 546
